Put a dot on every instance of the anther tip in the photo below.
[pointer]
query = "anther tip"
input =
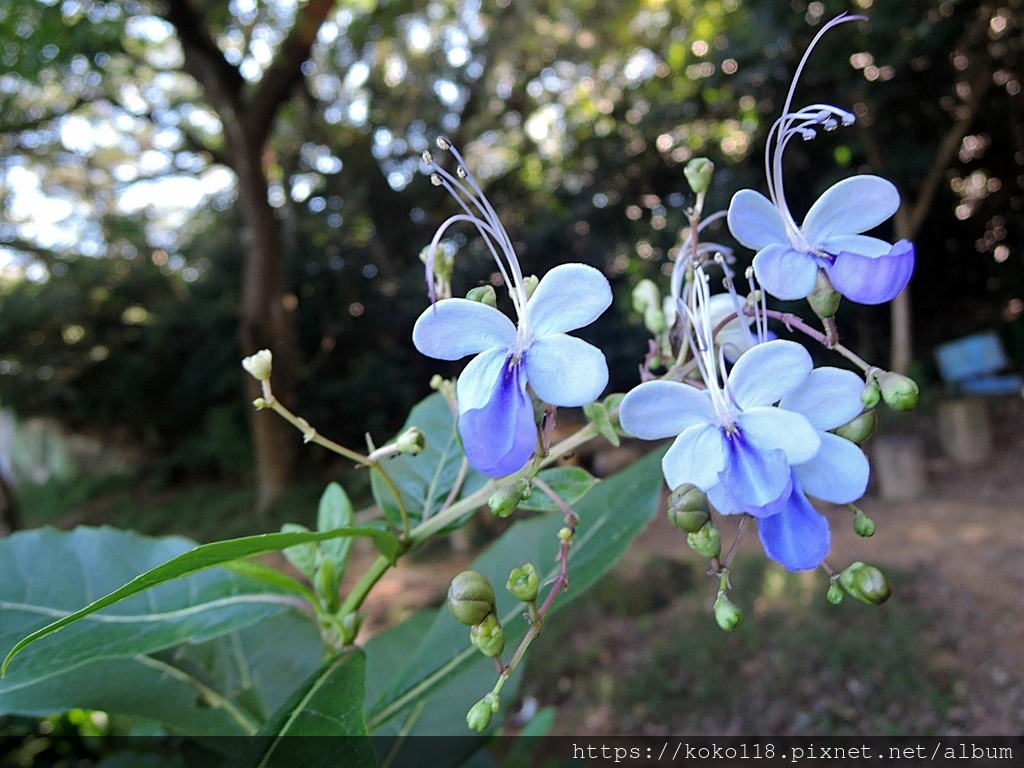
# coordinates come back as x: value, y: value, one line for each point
x: 443, y: 143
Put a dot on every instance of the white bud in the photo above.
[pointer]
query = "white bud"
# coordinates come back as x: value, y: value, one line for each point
x: 259, y: 365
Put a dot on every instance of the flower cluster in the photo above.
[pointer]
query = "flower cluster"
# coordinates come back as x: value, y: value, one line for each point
x: 497, y: 420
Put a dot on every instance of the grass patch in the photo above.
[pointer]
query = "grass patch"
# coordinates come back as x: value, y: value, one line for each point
x: 797, y: 664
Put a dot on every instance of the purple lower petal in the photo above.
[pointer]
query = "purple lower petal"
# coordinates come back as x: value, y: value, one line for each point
x: 752, y: 477
x: 869, y: 280
x: 798, y: 536
x: 726, y: 504
x: 500, y: 437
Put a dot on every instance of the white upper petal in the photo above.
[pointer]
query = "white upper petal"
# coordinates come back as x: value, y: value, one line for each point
x: 568, y: 297
x: 854, y: 205
x: 829, y: 398
x: 566, y: 371
x: 755, y: 221
x: 454, y: 328
x: 838, y: 474
x: 697, y: 456
x: 768, y: 372
x: 770, y: 428
x: 658, y: 409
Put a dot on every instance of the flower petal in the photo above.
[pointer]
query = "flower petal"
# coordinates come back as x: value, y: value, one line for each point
x: 500, y: 436
x: 726, y: 504
x: 798, y: 536
x: 873, y: 281
x: 838, y: 474
x: 454, y: 328
x: 755, y: 221
x: 775, y: 429
x: 862, y: 245
x: 658, y: 409
x: 829, y: 398
x: 566, y: 371
x: 568, y: 297
x: 753, y: 477
x: 479, y: 379
x: 768, y: 372
x: 854, y: 205
x: 785, y: 273
x: 697, y: 456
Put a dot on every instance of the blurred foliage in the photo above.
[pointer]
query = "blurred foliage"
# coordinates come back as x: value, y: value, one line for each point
x: 119, y: 301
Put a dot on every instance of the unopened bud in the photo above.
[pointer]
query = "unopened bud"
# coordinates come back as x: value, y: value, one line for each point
x: 654, y: 320
x: 646, y: 296
x: 530, y: 283
x: 871, y: 394
x: 859, y: 429
x: 260, y: 403
x: 866, y: 583
x: 565, y: 534
x: 350, y: 625
x: 863, y: 525
x: 824, y: 299
x: 259, y: 365
x: 412, y: 441
x: 484, y: 294
x: 688, y: 508
x: 698, y: 174
x: 727, y: 614
x: 479, y: 715
x: 836, y: 594
x: 898, y: 391
x: 471, y: 597
x: 488, y: 636
x: 524, y: 583
x: 504, y: 501
x: 707, y: 541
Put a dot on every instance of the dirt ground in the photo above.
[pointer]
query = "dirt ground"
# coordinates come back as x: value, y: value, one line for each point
x: 963, y: 539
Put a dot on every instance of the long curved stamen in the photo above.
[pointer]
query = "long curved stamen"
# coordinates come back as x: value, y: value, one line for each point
x: 679, y: 269
x: 704, y: 350
x: 738, y: 306
x: 802, y: 122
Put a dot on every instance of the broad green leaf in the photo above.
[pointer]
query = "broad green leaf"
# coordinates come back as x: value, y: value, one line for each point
x: 305, y: 557
x: 571, y: 483
x: 611, y: 516
x: 191, y: 562
x: 426, y: 479
x: 335, y: 512
x: 328, y: 703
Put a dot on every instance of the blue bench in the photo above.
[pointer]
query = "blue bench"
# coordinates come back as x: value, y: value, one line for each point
x: 978, y: 365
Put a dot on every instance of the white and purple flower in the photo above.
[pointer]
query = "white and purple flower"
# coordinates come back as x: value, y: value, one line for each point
x: 496, y: 413
x: 864, y: 269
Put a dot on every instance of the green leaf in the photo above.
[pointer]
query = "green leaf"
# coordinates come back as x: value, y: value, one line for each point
x: 329, y: 703
x: 335, y: 512
x: 598, y: 415
x: 571, y: 483
x: 198, y: 559
x: 611, y: 516
x: 302, y: 556
x: 426, y: 479
x: 254, y: 569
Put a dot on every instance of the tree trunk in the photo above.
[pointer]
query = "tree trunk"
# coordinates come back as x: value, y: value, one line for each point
x: 265, y: 322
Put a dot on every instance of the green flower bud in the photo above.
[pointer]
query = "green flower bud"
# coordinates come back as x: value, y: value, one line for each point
x: 871, y: 394
x: 565, y: 534
x: 471, y: 597
x: 836, y: 594
x: 259, y: 365
x: 488, y: 636
x: 524, y: 583
x: 326, y: 585
x: 727, y: 614
x: 259, y: 404
x: 654, y: 320
x: 646, y: 296
x: 530, y: 283
x: 866, y: 583
x: 350, y: 624
x: 412, y: 441
x: 485, y: 294
x: 860, y: 429
x: 504, y: 501
x: 863, y: 525
x: 898, y: 391
x: 824, y: 299
x: 707, y: 541
x: 688, y: 508
x: 698, y: 174
x: 479, y: 716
